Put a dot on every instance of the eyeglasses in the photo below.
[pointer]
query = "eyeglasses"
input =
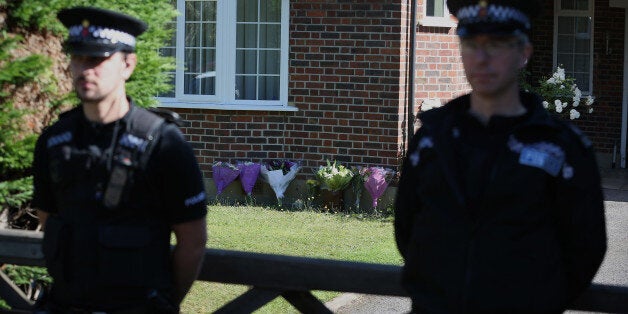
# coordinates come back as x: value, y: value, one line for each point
x: 492, y: 48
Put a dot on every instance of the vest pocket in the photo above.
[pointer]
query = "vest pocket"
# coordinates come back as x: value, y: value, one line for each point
x: 124, y: 255
x: 57, y: 237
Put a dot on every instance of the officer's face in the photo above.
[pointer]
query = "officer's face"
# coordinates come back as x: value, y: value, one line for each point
x: 97, y: 79
x: 492, y: 63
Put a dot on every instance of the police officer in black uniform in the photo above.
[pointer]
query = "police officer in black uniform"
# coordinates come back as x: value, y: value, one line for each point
x: 499, y: 207
x: 112, y: 181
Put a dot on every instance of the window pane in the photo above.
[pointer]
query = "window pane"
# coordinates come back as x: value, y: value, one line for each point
x: 193, y: 11
x: 582, y: 80
x: 200, y: 47
x: 192, y: 34
x: 269, y: 62
x: 582, y: 28
x: 573, y: 46
x: 208, y: 38
x: 247, y: 10
x: 574, y: 5
x: 566, y: 25
x: 581, y: 63
x: 582, y: 46
x: 257, y: 54
x: 208, y: 11
x: 269, y: 88
x: 207, y: 85
x: 565, y: 43
x: 200, y: 71
x: 246, y: 62
x: 258, y: 49
x: 208, y: 58
x: 270, y: 11
x: 246, y: 36
x: 246, y: 87
x: 435, y: 8
x: 270, y: 36
x: 565, y: 60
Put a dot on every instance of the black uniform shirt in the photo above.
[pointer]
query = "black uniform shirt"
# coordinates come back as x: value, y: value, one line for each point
x: 172, y: 180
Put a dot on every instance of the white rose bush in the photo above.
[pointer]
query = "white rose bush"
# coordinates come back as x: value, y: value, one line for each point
x: 562, y: 96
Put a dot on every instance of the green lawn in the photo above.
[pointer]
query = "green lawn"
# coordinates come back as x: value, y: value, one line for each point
x: 308, y: 233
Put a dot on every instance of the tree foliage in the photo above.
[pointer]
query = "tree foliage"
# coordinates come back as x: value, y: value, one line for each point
x: 151, y: 75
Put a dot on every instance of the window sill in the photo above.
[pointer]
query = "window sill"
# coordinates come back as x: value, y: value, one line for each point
x: 223, y: 106
x: 431, y: 21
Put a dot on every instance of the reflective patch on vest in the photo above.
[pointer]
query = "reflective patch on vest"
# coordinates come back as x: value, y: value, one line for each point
x: 195, y: 199
x: 543, y: 155
x: 567, y: 172
x: 133, y: 142
x: 415, y: 157
x: 64, y: 137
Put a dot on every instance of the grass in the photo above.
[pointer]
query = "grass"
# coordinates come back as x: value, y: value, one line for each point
x: 305, y: 233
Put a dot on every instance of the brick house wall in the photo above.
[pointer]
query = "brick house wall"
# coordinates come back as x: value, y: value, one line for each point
x: 439, y: 71
x: 349, y: 66
x: 603, y: 126
x: 348, y: 79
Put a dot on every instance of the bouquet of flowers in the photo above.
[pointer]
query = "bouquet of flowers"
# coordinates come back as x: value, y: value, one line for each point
x: 279, y: 174
x: 334, y: 176
x: 249, y: 171
x: 357, y: 183
x: 376, y: 180
x: 223, y: 174
x: 561, y: 95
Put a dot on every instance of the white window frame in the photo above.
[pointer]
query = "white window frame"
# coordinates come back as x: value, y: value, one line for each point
x: 224, y: 98
x: 437, y: 21
x: 576, y: 13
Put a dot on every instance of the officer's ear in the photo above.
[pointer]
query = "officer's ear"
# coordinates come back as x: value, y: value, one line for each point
x: 526, y: 54
x: 130, y: 61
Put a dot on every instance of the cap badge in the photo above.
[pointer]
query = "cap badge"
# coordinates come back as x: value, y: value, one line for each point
x: 483, y: 12
x: 85, y: 30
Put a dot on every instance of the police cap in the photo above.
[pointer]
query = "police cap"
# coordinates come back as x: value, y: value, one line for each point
x: 494, y: 17
x: 98, y: 32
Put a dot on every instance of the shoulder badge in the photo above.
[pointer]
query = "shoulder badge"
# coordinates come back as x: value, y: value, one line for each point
x: 169, y: 116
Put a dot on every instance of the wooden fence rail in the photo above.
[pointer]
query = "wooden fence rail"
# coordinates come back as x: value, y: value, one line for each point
x: 271, y: 276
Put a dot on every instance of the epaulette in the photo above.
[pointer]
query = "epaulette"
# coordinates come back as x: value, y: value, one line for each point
x: 70, y: 112
x: 169, y: 116
x: 584, y: 139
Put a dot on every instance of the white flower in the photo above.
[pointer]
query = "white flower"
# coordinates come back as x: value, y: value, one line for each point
x: 590, y: 109
x: 574, y: 114
x: 577, y: 95
x: 560, y: 74
x: 561, y: 94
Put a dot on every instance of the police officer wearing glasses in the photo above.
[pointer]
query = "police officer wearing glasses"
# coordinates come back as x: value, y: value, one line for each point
x: 499, y: 207
x: 113, y: 181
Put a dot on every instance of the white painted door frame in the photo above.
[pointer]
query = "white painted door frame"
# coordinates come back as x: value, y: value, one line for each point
x: 624, y: 105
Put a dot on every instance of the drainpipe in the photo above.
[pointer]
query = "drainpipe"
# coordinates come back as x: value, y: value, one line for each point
x: 410, y: 114
x: 624, y: 103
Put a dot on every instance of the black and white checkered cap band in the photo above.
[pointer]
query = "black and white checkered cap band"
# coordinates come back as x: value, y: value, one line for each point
x: 493, y: 13
x: 78, y: 33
